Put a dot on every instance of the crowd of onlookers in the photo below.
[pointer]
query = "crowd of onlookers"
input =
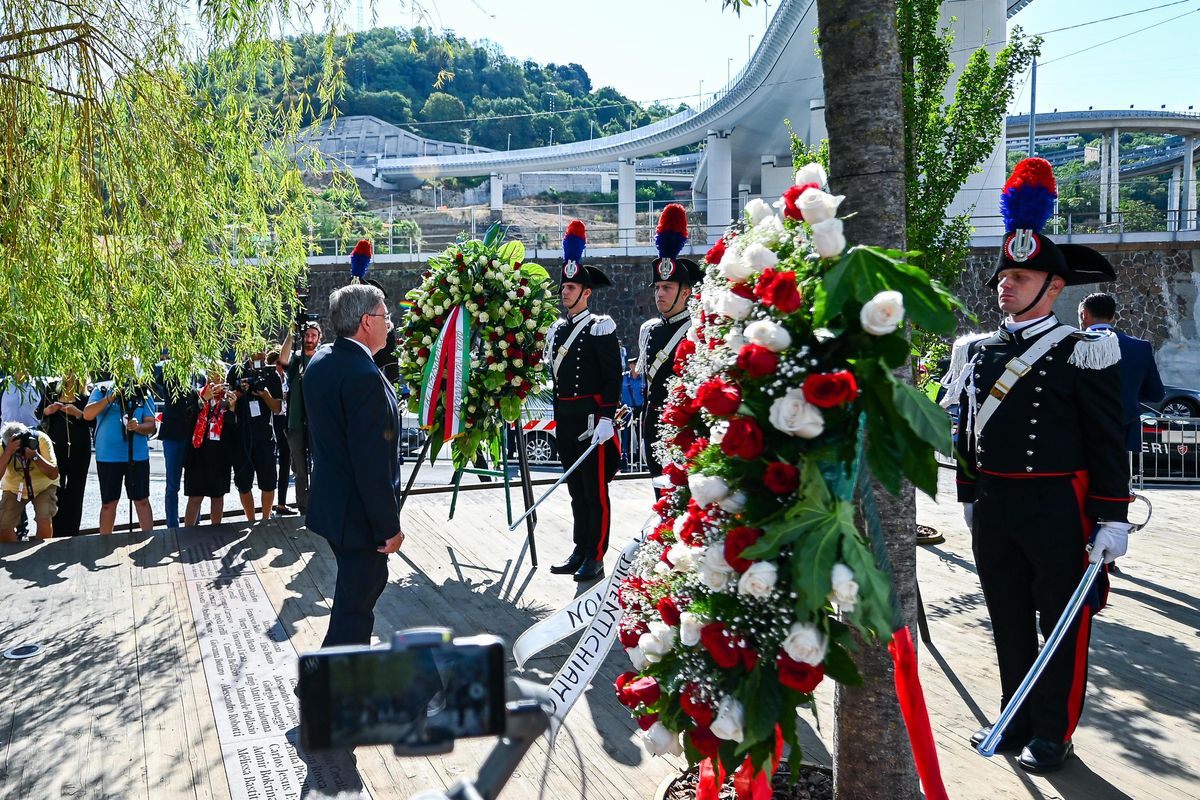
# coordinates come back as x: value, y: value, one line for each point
x: 242, y: 425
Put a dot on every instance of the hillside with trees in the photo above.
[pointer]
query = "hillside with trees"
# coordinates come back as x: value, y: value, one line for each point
x: 447, y: 88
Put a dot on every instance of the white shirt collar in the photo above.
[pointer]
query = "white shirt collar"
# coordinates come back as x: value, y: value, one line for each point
x: 366, y: 349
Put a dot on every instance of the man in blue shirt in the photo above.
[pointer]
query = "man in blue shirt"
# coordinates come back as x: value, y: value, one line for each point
x: 123, y: 417
x: 632, y: 395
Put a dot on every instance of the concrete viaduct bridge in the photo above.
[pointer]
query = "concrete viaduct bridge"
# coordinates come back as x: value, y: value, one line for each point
x: 747, y: 147
x: 1179, y: 161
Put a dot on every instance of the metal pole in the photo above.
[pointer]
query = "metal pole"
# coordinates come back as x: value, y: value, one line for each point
x: 1032, y: 109
x: 526, y: 492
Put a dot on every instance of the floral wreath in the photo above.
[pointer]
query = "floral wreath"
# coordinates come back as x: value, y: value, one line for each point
x: 473, y: 342
x: 745, y: 595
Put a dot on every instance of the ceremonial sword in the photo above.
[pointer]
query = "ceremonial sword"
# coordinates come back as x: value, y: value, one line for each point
x: 987, y: 748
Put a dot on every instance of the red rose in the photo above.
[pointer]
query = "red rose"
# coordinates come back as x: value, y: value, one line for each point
x: 742, y: 290
x: 737, y: 540
x: 630, y: 634
x: 683, y: 352
x: 700, y: 711
x: 668, y: 610
x: 696, y: 449
x: 660, y: 506
x: 757, y: 361
x: 510, y: 337
x: 705, y: 742
x: 677, y: 474
x: 827, y: 390
x: 684, y: 439
x: 716, y: 252
x: 791, y: 196
x: 423, y: 352
x: 718, y: 397
x: 720, y: 645
x: 781, y: 478
x: 798, y: 675
x: 743, y: 439
x: 644, y: 690
x: 749, y: 656
x: 680, y: 409
x: 778, y: 290
x: 646, y: 721
x: 620, y: 684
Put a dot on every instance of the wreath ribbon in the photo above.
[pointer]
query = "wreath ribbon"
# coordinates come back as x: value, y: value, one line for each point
x: 449, y: 359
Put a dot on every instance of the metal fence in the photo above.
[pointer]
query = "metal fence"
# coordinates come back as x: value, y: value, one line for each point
x: 1170, y: 451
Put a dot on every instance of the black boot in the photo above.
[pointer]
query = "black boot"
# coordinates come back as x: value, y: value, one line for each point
x: 570, y: 565
x: 1043, y: 755
x: 589, y: 570
x: 1012, y: 740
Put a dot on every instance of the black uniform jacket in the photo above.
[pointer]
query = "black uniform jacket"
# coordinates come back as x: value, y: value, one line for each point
x: 656, y: 334
x: 1058, y: 420
x: 589, y: 376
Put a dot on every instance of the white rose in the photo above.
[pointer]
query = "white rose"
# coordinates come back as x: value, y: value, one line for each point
x: 730, y: 305
x: 734, y: 503
x: 805, y: 643
x: 758, y: 257
x: 511, y: 294
x: 812, y: 173
x: 689, y: 629
x: 817, y: 206
x: 770, y: 231
x: 882, y: 314
x: 716, y: 434
x: 530, y: 324
x: 734, y: 339
x: 707, y: 489
x: 714, y: 569
x: 657, y: 642
x: 659, y: 740
x: 758, y: 580
x: 683, y: 556
x: 795, y: 416
x: 427, y: 340
x: 828, y: 239
x: 661, y: 568
x: 758, y: 210
x: 733, y: 268
x: 518, y: 363
x: 845, y: 588
x: 637, y: 658
x: 482, y: 260
x: 483, y: 316
x: 728, y: 724
x: 770, y: 335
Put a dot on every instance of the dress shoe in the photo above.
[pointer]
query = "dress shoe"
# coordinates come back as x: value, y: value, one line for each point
x: 589, y: 570
x: 1043, y: 755
x: 570, y: 565
x: 1010, y: 742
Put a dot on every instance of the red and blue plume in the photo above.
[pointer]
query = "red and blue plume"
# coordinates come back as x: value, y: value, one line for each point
x: 1027, y: 200
x: 672, y: 231
x: 574, y: 242
x: 360, y: 258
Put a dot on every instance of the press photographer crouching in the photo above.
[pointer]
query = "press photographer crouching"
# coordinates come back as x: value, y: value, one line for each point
x: 30, y: 471
x: 295, y: 363
x: 124, y: 424
x: 255, y: 394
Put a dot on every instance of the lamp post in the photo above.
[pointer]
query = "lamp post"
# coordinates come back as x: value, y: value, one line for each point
x: 700, y: 95
x: 749, y: 41
x: 728, y: 70
x: 509, y: 145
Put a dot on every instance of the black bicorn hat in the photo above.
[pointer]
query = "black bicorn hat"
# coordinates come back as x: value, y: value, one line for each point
x: 671, y: 236
x: 1027, y: 203
x: 573, y: 268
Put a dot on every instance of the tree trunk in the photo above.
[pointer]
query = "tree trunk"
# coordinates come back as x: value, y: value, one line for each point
x: 864, y: 113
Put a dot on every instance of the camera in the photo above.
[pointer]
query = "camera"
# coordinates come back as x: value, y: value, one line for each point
x: 303, y: 317
x: 28, y: 439
x: 255, y: 379
x: 419, y: 695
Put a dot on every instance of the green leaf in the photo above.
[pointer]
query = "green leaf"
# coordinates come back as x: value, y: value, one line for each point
x: 926, y: 419
x: 863, y: 272
x: 761, y: 703
x: 535, y: 272
x: 816, y: 554
x: 841, y: 667
x: 511, y: 252
x: 874, y: 609
x: 510, y: 408
x: 494, y: 234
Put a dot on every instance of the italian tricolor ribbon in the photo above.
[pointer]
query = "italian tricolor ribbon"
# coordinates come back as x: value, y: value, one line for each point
x: 449, y: 358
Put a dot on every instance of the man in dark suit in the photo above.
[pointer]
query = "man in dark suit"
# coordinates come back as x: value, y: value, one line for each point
x: 1140, y: 382
x: 353, y: 429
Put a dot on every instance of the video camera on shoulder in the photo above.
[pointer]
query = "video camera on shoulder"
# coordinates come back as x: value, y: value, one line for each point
x: 303, y: 316
x: 420, y: 694
x: 254, y: 379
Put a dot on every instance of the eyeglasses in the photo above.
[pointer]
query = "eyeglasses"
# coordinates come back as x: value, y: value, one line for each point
x: 386, y: 316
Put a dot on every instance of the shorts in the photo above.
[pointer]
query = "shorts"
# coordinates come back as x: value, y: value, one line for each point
x: 206, y: 471
x: 135, y: 475
x: 45, y: 506
x: 256, y: 461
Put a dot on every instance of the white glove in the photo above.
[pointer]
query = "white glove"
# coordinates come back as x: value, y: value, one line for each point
x: 603, y: 431
x: 1111, y: 542
x: 969, y: 515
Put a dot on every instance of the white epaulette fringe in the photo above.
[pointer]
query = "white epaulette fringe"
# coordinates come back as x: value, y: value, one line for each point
x: 1095, y: 350
x: 603, y: 325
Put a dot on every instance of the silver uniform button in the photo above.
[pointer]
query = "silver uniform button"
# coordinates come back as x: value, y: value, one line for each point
x: 1033, y: 436
x: 1035, y: 405
x: 1049, y: 358
x: 1037, y: 388
x: 1028, y: 452
x: 1033, y: 422
x: 1029, y: 469
x: 1041, y: 372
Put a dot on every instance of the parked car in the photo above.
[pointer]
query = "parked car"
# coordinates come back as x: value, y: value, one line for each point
x: 1170, y: 447
x: 537, y: 418
x: 1178, y: 402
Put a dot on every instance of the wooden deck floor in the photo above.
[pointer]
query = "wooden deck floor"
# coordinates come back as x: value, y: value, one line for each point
x: 119, y: 705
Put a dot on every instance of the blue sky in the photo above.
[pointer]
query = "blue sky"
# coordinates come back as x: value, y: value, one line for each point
x: 663, y: 49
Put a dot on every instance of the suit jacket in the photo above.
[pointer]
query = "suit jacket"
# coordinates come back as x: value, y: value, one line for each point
x: 1140, y: 383
x: 354, y: 433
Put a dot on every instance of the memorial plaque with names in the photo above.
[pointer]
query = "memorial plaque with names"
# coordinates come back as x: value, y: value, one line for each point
x: 250, y: 668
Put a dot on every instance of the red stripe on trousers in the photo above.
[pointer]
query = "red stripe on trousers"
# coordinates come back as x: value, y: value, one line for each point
x: 1079, y: 482
x: 602, y: 544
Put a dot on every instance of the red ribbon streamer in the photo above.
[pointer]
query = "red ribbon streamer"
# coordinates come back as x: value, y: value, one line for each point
x: 748, y: 783
x: 916, y: 715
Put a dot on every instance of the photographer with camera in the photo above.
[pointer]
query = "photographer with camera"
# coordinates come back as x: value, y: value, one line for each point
x: 124, y: 424
x: 255, y: 393
x: 206, y: 468
x: 30, y: 473
x: 295, y: 360
x: 61, y: 412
